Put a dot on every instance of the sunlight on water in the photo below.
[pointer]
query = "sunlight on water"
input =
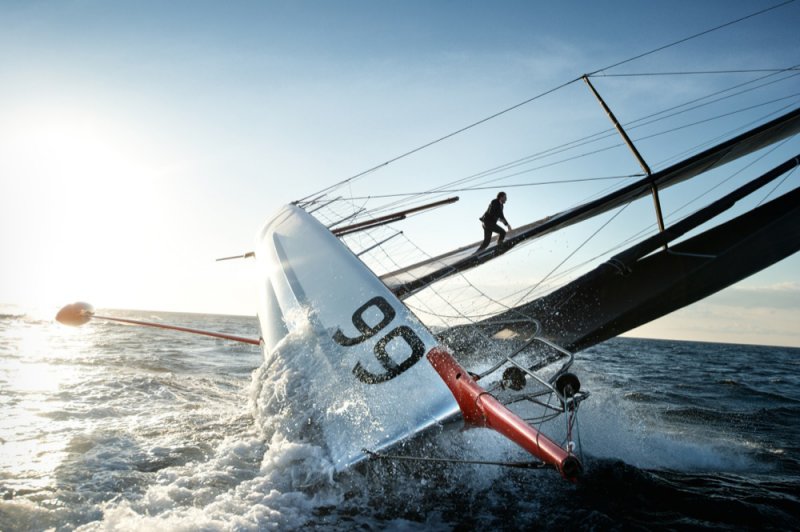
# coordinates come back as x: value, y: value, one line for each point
x: 33, y: 373
x: 112, y: 427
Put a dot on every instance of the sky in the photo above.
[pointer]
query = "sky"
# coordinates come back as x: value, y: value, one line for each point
x: 140, y: 141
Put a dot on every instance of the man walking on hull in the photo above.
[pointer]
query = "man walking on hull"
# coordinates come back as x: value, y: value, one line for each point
x: 490, y: 218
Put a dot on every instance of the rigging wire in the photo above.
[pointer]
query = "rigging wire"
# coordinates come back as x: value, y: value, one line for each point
x: 586, y: 140
x: 440, y: 139
x: 645, y: 137
x: 735, y: 174
x: 636, y: 123
x: 689, y: 38
x: 706, y: 120
x: 516, y: 185
x: 536, y: 97
x: 410, y: 197
x: 611, y: 219
x: 689, y: 72
x: 630, y: 126
x: 777, y: 186
x: 611, y: 132
x: 448, y: 302
x: 729, y: 133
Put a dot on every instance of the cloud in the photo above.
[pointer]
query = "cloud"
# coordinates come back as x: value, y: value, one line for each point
x: 759, y: 314
x: 781, y: 296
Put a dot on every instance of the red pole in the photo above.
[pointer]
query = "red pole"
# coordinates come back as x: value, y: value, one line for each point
x: 183, y: 329
x: 481, y: 409
x: 76, y: 314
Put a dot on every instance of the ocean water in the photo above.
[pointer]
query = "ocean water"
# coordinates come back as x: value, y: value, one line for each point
x: 115, y: 427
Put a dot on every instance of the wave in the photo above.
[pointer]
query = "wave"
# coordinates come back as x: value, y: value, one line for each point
x: 681, y: 500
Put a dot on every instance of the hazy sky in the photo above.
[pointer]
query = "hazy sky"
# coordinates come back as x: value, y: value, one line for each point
x: 139, y: 141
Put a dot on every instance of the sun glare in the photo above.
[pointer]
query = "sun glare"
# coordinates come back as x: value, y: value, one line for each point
x: 73, y: 186
x: 32, y: 445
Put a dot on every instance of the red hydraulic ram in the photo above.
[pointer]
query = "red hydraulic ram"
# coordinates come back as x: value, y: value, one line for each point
x: 481, y: 409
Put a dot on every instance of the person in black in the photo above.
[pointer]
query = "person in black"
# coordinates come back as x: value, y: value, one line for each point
x: 490, y: 218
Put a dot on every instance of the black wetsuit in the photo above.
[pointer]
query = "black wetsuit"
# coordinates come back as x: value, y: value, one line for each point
x: 489, y: 219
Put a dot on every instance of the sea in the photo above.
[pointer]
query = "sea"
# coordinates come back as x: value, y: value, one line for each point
x: 117, y: 427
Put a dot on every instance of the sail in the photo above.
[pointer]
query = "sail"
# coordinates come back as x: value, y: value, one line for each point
x: 406, y: 281
x: 632, y: 289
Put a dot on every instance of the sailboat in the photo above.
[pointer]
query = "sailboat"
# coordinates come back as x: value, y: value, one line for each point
x: 387, y: 356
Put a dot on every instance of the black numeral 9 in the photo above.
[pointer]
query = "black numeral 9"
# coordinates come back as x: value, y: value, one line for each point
x: 406, y: 333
